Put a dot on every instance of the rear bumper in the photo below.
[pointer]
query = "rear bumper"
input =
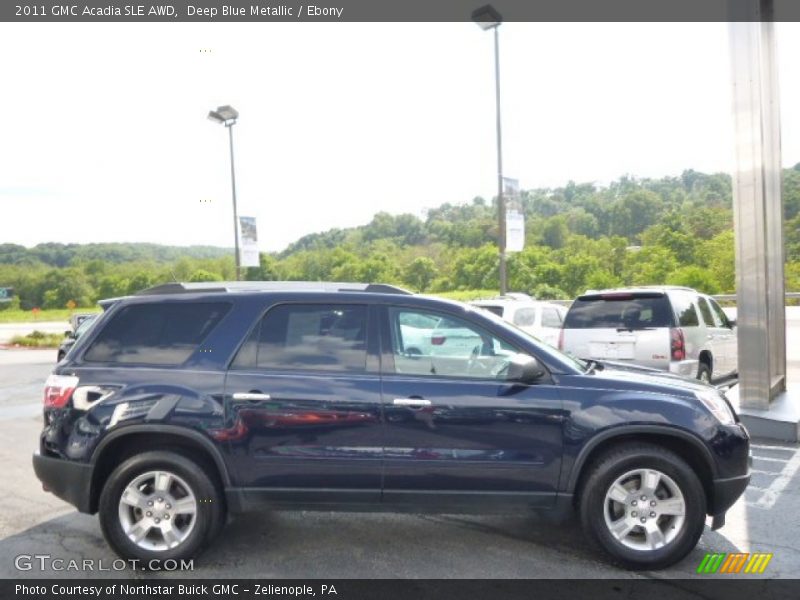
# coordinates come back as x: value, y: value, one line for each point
x: 70, y: 481
x: 685, y: 368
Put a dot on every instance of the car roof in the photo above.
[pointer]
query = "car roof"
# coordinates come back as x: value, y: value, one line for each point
x: 641, y: 289
x: 195, y: 289
x: 270, y: 286
x: 509, y: 303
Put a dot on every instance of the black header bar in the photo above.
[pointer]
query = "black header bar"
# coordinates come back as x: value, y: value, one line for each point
x: 242, y: 11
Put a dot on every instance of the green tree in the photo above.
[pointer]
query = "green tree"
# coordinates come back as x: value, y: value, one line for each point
x: 695, y: 277
x: 420, y: 273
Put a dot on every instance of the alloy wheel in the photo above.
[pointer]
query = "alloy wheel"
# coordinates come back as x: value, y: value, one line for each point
x: 644, y: 509
x: 157, y: 510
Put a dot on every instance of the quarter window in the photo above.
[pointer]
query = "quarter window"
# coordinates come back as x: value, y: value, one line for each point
x: 428, y: 344
x: 685, y: 309
x: 166, y: 333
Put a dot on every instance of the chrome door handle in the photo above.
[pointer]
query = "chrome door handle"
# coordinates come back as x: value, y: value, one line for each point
x: 412, y: 402
x: 251, y: 396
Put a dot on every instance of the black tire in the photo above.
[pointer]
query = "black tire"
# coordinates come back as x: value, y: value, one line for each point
x: 704, y: 372
x: 208, y: 518
x: 616, y: 463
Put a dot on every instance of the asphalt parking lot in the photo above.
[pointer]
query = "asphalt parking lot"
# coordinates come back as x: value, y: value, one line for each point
x: 351, y: 545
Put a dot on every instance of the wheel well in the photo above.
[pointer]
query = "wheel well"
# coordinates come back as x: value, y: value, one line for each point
x: 705, y: 357
x: 687, y: 451
x: 126, y: 446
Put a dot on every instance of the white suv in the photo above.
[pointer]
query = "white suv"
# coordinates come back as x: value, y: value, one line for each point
x: 542, y: 320
x: 674, y: 329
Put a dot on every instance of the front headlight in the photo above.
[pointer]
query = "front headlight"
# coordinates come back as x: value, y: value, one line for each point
x: 714, y: 402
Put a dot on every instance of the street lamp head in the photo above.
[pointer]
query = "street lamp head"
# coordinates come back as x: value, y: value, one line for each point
x: 225, y: 115
x: 487, y: 17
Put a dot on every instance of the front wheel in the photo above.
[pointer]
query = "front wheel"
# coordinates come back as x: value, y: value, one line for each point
x: 159, y: 505
x: 644, y: 506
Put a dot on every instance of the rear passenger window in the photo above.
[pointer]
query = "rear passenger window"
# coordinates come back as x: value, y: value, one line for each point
x: 156, y: 334
x: 705, y: 310
x: 308, y: 337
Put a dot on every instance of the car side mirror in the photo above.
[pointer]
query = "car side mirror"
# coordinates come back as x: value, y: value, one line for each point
x: 732, y: 323
x: 69, y: 333
x: 525, y: 369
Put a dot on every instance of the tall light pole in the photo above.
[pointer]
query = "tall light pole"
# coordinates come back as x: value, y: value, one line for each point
x: 487, y: 18
x: 227, y: 115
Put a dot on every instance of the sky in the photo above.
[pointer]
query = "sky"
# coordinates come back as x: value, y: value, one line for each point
x: 105, y: 136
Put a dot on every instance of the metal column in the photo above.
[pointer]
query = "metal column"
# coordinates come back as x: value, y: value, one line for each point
x: 758, y: 208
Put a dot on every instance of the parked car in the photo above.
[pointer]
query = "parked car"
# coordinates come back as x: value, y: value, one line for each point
x: 541, y: 319
x: 187, y: 402
x: 673, y: 329
x: 70, y: 337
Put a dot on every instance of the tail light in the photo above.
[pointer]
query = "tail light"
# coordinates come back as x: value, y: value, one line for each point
x: 561, y: 340
x: 438, y: 340
x: 677, y: 343
x: 58, y: 390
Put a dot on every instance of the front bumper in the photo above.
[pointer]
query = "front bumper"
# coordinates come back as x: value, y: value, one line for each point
x: 70, y: 481
x: 725, y: 493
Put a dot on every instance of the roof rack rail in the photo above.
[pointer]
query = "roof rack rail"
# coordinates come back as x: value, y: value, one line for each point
x: 270, y: 286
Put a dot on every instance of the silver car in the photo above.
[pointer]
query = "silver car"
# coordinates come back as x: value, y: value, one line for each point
x: 674, y: 329
x: 540, y: 319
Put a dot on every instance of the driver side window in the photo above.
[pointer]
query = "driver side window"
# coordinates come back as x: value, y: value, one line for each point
x: 430, y: 344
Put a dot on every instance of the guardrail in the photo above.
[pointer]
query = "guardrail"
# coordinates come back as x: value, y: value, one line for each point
x: 732, y: 297
x: 718, y: 297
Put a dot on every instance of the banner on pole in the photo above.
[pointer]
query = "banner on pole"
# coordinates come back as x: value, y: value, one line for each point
x: 248, y: 242
x: 515, y: 219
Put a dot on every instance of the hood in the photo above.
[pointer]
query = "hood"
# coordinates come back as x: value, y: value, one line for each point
x: 625, y: 376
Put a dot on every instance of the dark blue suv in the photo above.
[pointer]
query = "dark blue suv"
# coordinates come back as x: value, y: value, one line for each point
x: 188, y: 402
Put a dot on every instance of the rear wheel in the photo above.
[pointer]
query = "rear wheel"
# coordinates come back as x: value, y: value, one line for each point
x: 644, y: 506
x: 159, y: 505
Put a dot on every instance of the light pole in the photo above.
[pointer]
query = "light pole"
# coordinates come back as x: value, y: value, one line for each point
x: 227, y: 115
x: 487, y: 18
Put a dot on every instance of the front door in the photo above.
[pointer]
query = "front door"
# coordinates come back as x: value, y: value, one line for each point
x: 457, y: 433
x: 303, y: 406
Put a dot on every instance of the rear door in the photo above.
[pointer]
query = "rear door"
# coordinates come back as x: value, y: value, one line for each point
x: 621, y: 326
x: 304, y: 397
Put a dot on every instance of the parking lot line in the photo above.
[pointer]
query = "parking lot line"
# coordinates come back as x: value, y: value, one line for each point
x: 767, y: 447
x: 770, y: 459
x: 770, y: 495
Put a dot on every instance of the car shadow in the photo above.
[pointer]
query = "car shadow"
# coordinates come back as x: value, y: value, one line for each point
x: 343, y: 545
